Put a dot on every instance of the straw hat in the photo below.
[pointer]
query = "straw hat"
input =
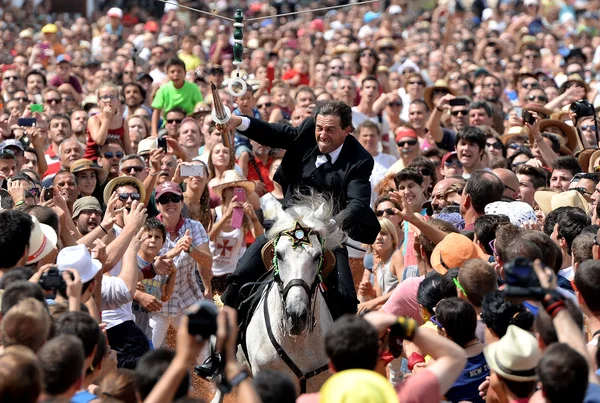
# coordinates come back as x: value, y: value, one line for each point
x: 515, y: 356
x: 569, y: 133
x: 147, y: 145
x: 512, y: 133
x: 593, y: 157
x: 549, y: 200
x: 121, y: 180
x: 232, y: 179
x: 83, y: 164
x: 440, y: 85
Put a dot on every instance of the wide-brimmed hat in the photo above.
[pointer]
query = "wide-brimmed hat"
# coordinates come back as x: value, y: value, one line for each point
x: 453, y: 251
x: 386, y: 43
x: 584, y: 157
x: 42, y: 241
x: 232, y: 179
x: 358, y: 385
x: 122, y: 180
x: 574, y: 79
x: 85, y: 203
x: 569, y: 133
x: 512, y: 133
x: 83, y: 164
x: 440, y: 85
x: 79, y: 258
x: 201, y: 107
x: 146, y: 146
x: 515, y: 356
x: 549, y: 200
x: 590, y: 165
x: 517, y: 212
x: 543, y: 113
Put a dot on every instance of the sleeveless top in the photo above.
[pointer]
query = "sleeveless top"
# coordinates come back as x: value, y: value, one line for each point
x: 226, y: 249
x: 387, y: 281
x: 91, y: 148
x: 466, y: 386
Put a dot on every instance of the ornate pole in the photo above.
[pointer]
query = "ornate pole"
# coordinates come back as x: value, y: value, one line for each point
x: 220, y: 114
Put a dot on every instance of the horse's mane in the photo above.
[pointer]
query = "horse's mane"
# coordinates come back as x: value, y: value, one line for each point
x: 314, y: 211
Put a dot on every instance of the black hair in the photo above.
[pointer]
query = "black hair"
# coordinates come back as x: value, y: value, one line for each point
x: 552, y: 218
x: 101, y: 350
x: 429, y: 292
x: 154, y: 223
x: 152, y: 366
x: 408, y: 174
x: 335, y: 108
x: 539, y: 176
x: 519, y: 388
x: 421, y: 162
x: 369, y: 78
x: 352, y: 343
x: 421, y: 102
x: 520, y: 151
x: 16, y: 274
x: 567, y: 163
x: 448, y: 286
x: 570, y: 224
x: 563, y: 374
x: 45, y: 215
x: 545, y: 328
x: 59, y: 116
x: 36, y: 73
x: 62, y: 361
x: 135, y: 84
x: 6, y: 200
x: 483, y: 187
x: 18, y: 291
x: 386, y: 198
x: 80, y: 325
x: 482, y: 105
x: 175, y: 61
x: 14, y: 236
x: 498, y: 314
x: 587, y: 282
x: 274, y: 387
x: 176, y: 109
x: 459, y: 319
x: 485, y: 229
x: 471, y: 134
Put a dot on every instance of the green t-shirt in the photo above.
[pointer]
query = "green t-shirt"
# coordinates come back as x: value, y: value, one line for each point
x: 167, y: 97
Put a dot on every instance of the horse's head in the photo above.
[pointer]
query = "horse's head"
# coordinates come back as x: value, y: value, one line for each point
x: 303, y: 237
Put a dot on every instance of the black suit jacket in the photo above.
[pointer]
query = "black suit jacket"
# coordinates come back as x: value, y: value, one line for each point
x: 346, y: 181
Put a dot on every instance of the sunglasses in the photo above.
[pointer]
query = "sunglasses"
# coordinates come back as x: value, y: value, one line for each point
x: 450, y: 164
x: 433, y: 320
x: 495, y: 146
x: 53, y: 101
x: 108, y: 97
x: 416, y: 82
x: 166, y: 199
x: 460, y: 287
x: 540, y: 98
x: 171, y: 121
x: 11, y: 78
x: 124, y: 196
x: 409, y: 142
x: 529, y: 86
x: 90, y: 212
x: 582, y: 191
x: 21, y: 99
x: 265, y: 105
x: 463, y: 112
x: 588, y: 127
x: 367, y: 54
x: 426, y: 171
x: 397, y: 104
x: 136, y: 168
x: 387, y: 211
x: 110, y: 154
x: 336, y: 67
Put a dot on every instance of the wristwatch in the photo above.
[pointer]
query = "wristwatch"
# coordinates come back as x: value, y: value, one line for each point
x: 190, y: 249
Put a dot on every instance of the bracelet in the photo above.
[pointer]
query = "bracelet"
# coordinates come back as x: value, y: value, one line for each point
x: 153, y: 174
x: 190, y: 249
x: 19, y: 203
x: 103, y: 229
x: 438, y: 108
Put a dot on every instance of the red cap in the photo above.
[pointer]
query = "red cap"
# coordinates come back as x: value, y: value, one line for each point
x: 405, y: 132
x: 151, y: 26
x: 448, y: 156
x: 167, y: 187
x: 317, y: 25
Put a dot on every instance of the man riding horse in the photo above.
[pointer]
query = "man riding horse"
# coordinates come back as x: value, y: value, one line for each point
x: 320, y: 157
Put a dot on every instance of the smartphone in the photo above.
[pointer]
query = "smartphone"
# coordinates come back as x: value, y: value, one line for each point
x: 162, y: 143
x: 458, y: 102
x: 192, y: 170
x: 36, y: 108
x: 528, y: 117
x: 238, y: 212
x: 48, y: 194
x: 26, y: 122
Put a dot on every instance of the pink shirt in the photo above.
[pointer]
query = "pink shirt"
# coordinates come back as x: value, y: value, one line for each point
x: 403, y: 301
x: 423, y: 387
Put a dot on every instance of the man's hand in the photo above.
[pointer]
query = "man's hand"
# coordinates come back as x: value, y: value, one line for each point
x: 110, y: 216
x: 407, y: 212
x: 99, y: 251
x: 156, y: 157
x: 444, y: 102
x: 164, y: 266
x: 227, y: 332
x: 138, y: 239
x: 230, y: 126
x: 367, y: 306
x: 16, y: 190
x: 136, y: 217
x: 74, y: 286
x: 148, y: 301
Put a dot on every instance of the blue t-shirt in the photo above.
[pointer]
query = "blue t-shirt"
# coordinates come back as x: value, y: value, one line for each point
x: 592, y: 394
x: 83, y: 397
x: 466, y: 386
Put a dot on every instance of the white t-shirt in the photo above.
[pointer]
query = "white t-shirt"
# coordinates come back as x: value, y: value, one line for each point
x: 227, y: 249
x: 359, y: 117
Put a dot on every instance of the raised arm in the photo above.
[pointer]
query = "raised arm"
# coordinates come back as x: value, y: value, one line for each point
x: 273, y: 135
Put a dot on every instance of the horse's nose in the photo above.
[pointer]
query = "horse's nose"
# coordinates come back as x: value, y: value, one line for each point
x: 297, y: 319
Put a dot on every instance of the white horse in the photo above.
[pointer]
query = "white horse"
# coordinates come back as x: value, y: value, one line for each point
x: 286, y: 331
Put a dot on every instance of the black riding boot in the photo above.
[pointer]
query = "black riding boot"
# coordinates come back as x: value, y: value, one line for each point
x: 340, y: 295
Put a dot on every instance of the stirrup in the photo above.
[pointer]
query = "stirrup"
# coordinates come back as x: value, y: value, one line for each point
x: 209, y: 369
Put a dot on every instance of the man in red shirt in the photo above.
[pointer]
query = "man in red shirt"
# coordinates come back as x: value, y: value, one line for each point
x: 259, y: 167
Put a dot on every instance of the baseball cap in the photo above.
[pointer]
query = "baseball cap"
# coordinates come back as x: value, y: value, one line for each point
x: 151, y: 26
x: 49, y: 29
x: 78, y: 258
x: 115, y: 12
x: 11, y: 143
x: 85, y: 203
x: 63, y: 59
x: 453, y: 251
x: 142, y: 76
x: 167, y: 187
x: 448, y: 156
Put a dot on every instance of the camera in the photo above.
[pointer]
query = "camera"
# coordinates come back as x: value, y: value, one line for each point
x: 203, y: 321
x: 521, y: 281
x: 582, y: 108
x: 52, y: 280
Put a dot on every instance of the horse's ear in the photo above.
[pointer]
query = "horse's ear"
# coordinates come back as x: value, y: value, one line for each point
x: 267, y: 254
x: 320, y: 211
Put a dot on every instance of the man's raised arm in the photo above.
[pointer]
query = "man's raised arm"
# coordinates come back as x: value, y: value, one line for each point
x: 272, y: 135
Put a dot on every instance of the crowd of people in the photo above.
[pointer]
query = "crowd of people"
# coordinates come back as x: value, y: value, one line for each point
x: 458, y: 142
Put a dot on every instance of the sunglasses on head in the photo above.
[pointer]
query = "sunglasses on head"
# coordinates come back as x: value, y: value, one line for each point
x: 125, y: 196
x: 409, y: 142
x: 110, y: 154
x: 387, y: 211
x: 169, y: 198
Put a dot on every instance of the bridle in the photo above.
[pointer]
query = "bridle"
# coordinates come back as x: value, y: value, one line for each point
x: 300, y: 236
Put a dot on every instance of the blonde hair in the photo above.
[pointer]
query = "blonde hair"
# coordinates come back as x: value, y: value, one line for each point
x: 107, y: 84
x: 27, y: 323
x: 388, y: 227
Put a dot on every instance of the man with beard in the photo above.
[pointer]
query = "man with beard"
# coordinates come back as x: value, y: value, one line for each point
x: 35, y: 82
x: 438, y: 199
x: 66, y: 184
x: 159, y: 58
x: 79, y: 119
x: 491, y: 91
x: 369, y: 92
x: 134, y: 95
x: 259, y: 167
x: 11, y: 83
x: 110, y: 155
x: 60, y: 130
x: 87, y: 214
x: 459, y: 112
x: 470, y: 147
